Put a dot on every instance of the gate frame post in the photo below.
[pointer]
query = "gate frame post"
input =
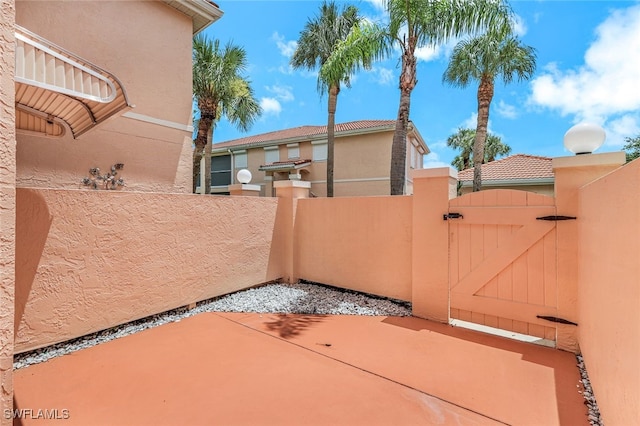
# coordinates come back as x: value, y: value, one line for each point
x: 571, y: 173
x: 432, y: 190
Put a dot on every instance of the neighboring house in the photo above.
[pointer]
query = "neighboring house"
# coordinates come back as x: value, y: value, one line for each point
x: 105, y: 82
x: 520, y: 171
x: 362, y: 158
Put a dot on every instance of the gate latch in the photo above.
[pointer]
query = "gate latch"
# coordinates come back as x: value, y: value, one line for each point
x: 448, y: 216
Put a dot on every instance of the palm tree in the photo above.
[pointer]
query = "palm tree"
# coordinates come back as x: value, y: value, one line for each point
x: 316, y: 43
x: 483, y: 59
x: 219, y: 88
x: 413, y: 24
x: 464, y: 139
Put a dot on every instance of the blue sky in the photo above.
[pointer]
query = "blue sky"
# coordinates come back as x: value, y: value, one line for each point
x: 588, y: 69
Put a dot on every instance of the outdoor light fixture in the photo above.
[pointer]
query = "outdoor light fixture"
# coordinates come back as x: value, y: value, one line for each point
x: 244, y: 176
x: 584, y: 138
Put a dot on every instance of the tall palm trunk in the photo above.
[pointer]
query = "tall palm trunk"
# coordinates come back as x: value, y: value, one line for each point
x: 334, y: 89
x: 399, y: 147
x: 203, y: 146
x: 485, y: 94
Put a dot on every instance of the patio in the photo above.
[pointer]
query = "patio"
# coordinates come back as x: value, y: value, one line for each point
x: 238, y: 368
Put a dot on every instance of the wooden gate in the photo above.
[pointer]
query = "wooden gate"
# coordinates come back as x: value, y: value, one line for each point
x: 502, y: 261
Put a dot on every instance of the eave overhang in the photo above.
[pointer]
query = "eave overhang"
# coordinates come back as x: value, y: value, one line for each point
x: 283, y: 166
x: 202, y: 12
x: 56, y: 89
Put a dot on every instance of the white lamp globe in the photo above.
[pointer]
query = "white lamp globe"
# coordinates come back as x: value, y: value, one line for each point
x: 244, y: 176
x: 584, y: 138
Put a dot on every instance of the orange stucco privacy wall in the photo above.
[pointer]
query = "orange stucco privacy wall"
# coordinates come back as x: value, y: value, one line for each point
x: 7, y: 203
x: 147, y: 46
x: 361, y: 243
x: 609, y: 291
x: 89, y: 260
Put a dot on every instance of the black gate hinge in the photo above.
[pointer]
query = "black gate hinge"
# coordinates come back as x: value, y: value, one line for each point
x: 447, y: 216
x: 556, y: 319
x: 556, y: 218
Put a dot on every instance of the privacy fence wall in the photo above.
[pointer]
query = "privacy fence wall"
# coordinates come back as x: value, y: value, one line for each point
x: 563, y: 268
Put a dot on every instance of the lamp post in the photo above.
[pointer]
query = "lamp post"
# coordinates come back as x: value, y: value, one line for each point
x: 584, y: 138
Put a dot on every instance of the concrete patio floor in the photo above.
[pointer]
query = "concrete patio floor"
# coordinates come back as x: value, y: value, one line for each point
x: 270, y: 369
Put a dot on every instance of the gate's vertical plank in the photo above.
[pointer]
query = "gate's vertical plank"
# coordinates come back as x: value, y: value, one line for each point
x: 550, y: 276
x: 520, y: 277
x: 464, y: 252
x: 490, y: 245
x: 520, y: 283
x: 477, y: 244
x: 505, y: 278
x: 454, y: 273
x: 535, y: 286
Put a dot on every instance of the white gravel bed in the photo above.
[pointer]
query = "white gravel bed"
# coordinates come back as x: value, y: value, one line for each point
x: 589, y: 398
x: 301, y: 298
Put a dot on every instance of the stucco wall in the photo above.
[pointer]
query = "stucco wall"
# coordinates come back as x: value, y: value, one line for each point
x: 7, y: 203
x: 609, y: 291
x: 88, y: 260
x: 147, y: 45
x: 361, y: 243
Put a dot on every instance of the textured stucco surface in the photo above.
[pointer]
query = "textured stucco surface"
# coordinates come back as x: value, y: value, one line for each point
x: 145, y: 44
x: 609, y: 292
x: 88, y: 260
x: 7, y: 203
x: 360, y: 243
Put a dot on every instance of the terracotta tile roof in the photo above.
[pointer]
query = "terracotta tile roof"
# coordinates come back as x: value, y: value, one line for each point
x: 515, y: 167
x: 306, y: 131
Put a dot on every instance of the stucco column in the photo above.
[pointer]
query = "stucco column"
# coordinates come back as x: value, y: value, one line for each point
x: 571, y: 173
x: 7, y: 204
x: 244, y: 189
x: 432, y: 189
x: 288, y: 193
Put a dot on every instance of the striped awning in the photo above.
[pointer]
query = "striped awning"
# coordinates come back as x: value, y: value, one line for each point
x: 56, y: 90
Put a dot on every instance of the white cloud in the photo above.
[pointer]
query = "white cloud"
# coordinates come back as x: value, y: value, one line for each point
x: 472, y: 123
x: 469, y: 123
x: 505, y: 110
x: 432, y: 160
x: 286, y: 47
x: 605, y: 87
x: 519, y: 26
x: 620, y: 128
x: 428, y: 53
x: 282, y: 93
x: 382, y: 75
x: 270, y: 106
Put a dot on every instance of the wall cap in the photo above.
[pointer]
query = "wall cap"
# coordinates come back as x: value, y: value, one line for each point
x: 588, y: 160
x: 434, y: 172
x: 291, y: 184
x: 244, y: 187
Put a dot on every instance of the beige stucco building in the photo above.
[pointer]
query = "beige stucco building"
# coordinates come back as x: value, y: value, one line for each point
x: 362, y: 158
x: 109, y: 89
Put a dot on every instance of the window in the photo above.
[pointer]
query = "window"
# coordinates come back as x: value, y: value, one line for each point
x: 221, y: 170
x: 294, y: 150
x: 413, y: 156
x: 319, y: 150
x: 241, y: 159
x: 271, y: 154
